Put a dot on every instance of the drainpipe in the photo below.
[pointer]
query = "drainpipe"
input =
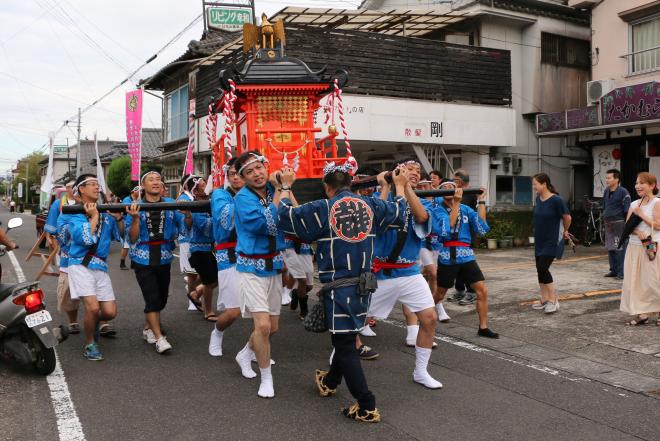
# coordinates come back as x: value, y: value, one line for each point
x: 538, y: 156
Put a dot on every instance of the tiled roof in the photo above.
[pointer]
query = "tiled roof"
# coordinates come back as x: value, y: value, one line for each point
x: 151, y: 142
x: 210, y: 42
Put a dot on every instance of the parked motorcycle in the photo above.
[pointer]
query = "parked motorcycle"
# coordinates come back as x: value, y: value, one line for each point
x: 27, y: 333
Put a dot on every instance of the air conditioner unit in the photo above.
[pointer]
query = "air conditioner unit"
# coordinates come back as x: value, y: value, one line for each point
x: 596, y: 89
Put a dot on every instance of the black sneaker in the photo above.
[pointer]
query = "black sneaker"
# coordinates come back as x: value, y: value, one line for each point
x: 364, y: 416
x: 486, y: 332
x: 107, y: 330
x: 303, y: 307
x: 468, y: 299
x: 294, y: 300
x: 610, y: 274
x: 458, y: 295
x: 367, y: 353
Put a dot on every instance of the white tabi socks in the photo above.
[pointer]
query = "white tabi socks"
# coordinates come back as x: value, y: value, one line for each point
x: 244, y: 360
x: 421, y: 374
x: 442, y: 314
x: 286, y: 296
x: 266, y: 389
x: 411, y: 336
x: 215, y: 344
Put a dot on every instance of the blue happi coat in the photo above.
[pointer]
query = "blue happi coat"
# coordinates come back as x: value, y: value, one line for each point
x: 344, y: 228
x: 184, y: 231
x: 409, y: 254
x: 51, y: 220
x: 224, y: 233
x: 467, y: 222
x: 257, y: 233
x: 63, y: 238
x: 201, y: 237
x: 140, y: 250
x: 432, y: 241
x: 83, y: 239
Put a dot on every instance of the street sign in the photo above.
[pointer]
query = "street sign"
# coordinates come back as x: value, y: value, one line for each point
x: 229, y: 19
x: 20, y: 189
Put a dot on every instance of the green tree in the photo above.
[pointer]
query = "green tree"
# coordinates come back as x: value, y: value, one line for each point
x: 119, y: 176
x: 30, y: 165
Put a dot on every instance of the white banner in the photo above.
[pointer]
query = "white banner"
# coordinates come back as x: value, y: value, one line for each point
x: 99, y: 167
x: 47, y: 186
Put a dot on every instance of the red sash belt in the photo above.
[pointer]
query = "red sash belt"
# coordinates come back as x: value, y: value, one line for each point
x: 381, y: 265
x: 260, y: 256
x: 293, y: 239
x: 456, y: 243
x: 225, y: 246
x: 154, y: 242
x: 91, y: 255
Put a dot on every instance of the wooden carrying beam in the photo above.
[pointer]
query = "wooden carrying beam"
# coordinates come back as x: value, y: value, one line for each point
x: 46, y: 259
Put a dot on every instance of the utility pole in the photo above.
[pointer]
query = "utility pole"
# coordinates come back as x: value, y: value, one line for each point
x: 78, y: 168
x: 27, y: 178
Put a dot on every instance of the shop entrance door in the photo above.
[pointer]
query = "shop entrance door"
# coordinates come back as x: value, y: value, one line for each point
x: 633, y: 161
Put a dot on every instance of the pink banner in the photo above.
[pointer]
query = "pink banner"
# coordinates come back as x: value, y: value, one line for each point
x: 134, y: 130
x: 189, y: 166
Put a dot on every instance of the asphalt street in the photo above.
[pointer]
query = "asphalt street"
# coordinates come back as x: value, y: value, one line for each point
x: 137, y: 394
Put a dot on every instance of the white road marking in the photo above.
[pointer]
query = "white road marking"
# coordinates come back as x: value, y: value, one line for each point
x: 68, y: 424
x: 490, y: 352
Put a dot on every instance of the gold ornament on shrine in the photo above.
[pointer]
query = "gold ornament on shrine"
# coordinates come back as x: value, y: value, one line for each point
x: 264, y: 36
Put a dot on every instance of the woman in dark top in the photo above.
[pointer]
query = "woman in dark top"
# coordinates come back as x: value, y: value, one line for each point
x: 549, y: 211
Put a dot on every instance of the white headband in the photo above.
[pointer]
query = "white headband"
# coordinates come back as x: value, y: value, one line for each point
x: 255, y: 158
x: 195, y: 180
x: 447, y: 184
x: 150, y: 172
x: 83, y: 182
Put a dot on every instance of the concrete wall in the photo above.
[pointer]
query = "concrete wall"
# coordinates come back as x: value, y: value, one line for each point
x: 610, y: 35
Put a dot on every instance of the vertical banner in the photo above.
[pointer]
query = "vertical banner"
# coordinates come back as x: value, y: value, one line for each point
x: 99, y: 168
x: 47, y: 186
x: 134, y: 130
x: 189, y: 165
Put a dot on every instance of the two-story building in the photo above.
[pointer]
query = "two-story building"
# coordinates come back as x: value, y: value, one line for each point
x: 620, y: 126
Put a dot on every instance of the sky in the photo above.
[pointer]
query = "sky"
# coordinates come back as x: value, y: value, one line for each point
x: 58, y: 55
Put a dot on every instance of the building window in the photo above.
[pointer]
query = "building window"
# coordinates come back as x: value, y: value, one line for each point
x: 176, y: 107
x: 644, y: 46
x: 565, y: 51
x: 513, y: 190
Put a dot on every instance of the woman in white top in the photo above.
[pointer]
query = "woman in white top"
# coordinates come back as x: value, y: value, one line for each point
x: 641, y: 279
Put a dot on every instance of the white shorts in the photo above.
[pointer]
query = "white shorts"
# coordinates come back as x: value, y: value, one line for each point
x: 184, y: 255
x: 428, y: 257
x: 90, y: 282
x: 125, y: 244
x: 260, y: 294
x: 229, y: 294
x: 412, y: 291
x: 299, y: 266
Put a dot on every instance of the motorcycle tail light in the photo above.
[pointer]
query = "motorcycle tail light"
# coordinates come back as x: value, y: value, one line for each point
x: 32, y: 301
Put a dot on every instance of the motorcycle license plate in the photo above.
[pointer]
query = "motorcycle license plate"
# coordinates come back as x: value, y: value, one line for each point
x: 38, y: 318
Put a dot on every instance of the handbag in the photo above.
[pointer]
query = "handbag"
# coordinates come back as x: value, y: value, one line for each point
x: 650, y: 246
x: 315, y: 319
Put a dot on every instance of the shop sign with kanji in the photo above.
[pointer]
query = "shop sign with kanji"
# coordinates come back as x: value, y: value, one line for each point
x: 229, y: 19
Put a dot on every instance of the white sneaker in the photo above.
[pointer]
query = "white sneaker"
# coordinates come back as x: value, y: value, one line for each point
x: 149, y: 336
x: 539, y: 306
x: 367, y: 331
x: 551, y: 307
x: 243, y: 359
x: 191, y: 306
x: 286, y: 296
x: 162, y: 345
x: 426, y: 380
x: 215, y: 344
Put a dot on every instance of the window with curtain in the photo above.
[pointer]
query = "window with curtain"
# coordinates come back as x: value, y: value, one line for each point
x: 645, y: 46
x: 176, y: 106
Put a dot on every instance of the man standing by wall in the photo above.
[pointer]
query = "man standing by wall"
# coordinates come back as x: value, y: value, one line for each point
x: 616, y: 202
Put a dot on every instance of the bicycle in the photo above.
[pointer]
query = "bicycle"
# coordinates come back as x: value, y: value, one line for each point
x: 595, y: 228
